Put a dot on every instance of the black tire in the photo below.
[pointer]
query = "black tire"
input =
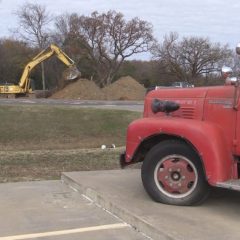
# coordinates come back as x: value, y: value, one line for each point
x: 163, y: 185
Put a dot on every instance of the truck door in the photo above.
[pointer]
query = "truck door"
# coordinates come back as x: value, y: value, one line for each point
x: 219, y: 110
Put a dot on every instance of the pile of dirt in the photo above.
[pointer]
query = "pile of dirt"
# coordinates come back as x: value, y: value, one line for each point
x: 81, y: 89
x: 125, y: 88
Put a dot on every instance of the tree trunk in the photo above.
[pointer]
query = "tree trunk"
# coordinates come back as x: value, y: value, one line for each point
x: 43, y: 77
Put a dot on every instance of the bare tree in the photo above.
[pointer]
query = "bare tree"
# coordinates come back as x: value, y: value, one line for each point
x: 106, y: 39
x: 33, y: 27
x: 190, y: 57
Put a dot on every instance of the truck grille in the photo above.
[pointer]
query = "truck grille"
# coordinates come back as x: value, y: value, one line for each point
x: 188, y: 112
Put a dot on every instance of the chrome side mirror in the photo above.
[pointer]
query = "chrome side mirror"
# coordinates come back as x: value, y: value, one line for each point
x: 226, y: 72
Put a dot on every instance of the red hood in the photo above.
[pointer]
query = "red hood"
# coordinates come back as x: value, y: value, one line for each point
x: 191, y: 100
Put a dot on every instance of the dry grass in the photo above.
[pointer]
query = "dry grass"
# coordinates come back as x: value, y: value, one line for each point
x: 45, y: 165
x: 48, y: 127
x: 40, y: 142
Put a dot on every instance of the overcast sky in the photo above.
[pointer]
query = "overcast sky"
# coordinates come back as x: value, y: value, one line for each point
x: 217, y: 19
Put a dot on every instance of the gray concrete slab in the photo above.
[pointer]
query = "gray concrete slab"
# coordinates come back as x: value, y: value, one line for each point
x: 51, y: 206
x: 121, y: 192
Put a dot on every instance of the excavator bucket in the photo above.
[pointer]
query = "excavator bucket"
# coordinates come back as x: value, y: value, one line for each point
x: 72, y: 73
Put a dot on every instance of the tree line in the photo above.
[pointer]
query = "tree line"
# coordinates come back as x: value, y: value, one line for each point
x: 102, y: 46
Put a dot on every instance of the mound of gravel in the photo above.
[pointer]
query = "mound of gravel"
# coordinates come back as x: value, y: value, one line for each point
x: 125, y: 88
x: 81, y: 89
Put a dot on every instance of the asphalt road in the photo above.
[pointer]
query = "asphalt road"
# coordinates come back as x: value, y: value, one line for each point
x: 120, y: 105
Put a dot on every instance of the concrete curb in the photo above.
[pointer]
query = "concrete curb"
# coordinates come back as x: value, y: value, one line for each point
x: 129, y: 217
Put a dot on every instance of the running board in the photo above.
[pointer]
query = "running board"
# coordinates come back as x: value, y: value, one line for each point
x: 231, y: 184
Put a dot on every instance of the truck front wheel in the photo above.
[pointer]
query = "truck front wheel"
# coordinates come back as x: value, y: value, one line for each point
x: 172, y: 173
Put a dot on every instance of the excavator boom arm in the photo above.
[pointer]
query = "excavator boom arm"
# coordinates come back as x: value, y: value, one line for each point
x: 45, y: 54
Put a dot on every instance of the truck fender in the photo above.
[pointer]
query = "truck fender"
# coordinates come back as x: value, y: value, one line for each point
x: 207, y: 139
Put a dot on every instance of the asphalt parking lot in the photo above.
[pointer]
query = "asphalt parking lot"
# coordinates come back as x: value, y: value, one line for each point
x: 51, y: 210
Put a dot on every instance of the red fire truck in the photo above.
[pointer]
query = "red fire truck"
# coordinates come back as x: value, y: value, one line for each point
x: 188, y: 140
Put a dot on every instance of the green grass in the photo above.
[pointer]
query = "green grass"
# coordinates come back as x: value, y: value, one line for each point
x: 40, y: 142
x: 48, y: 127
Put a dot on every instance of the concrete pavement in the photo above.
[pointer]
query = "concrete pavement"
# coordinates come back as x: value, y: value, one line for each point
x: 51, y: 210
x: 121, y: 192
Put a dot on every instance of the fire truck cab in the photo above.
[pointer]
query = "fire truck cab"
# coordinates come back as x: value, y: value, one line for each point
x: 188, y: 140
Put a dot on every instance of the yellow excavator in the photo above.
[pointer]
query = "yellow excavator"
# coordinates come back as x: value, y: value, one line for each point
x: 23, y: 87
